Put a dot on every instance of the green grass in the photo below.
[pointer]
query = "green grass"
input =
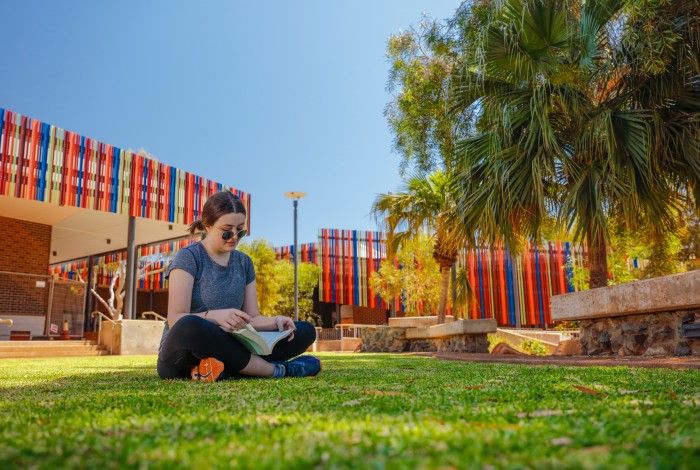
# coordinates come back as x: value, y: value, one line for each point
x: 369, y: 411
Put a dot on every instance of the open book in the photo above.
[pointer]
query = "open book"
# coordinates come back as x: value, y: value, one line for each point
x: 260, y: 342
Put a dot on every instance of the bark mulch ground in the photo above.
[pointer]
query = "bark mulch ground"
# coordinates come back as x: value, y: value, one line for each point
x: 688, y: 362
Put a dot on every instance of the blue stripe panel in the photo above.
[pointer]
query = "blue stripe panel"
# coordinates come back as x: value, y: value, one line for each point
x: 81, y: 158
x: 116, y: 163
x: 569, y: 267
x: 509, y: 283
x: 356, y: 267
x: 538, y: 283
x: 44, y: 159
x: 171, y: 209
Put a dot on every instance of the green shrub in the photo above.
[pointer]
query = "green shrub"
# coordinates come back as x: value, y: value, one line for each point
x: 533, y: 347
x: 566, y: 326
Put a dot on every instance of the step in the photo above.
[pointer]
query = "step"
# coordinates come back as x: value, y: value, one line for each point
x: 82, y: 347
x: 457, y: 327
x: 45, y: 344
x: 50, y: 353
x: 517, y: 338
x: 69, y: 348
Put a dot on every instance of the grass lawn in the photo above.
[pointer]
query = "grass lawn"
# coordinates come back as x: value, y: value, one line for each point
x: 369, y: 411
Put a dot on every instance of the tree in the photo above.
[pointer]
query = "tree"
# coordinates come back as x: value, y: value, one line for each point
x: 422, y: 59
x: 426, y: 205
x: 308, y: 280
x: 585, y: 111
x: 268, y: 278
x: 690, y: 240
x: 416, y: 278
x: 117, y: 273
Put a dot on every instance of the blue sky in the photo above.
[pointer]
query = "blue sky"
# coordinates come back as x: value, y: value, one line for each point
x: 265, y: 96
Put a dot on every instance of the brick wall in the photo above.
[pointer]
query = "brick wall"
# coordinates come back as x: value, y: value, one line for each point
x: 25, y: 248
x: 21, y: 296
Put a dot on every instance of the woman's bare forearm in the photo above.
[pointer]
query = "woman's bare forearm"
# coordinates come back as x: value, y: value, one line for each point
x: 174, y: 317
x: 263, y: 323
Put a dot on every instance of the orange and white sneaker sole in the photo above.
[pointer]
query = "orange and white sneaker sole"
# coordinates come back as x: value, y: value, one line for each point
x: 208, y: 370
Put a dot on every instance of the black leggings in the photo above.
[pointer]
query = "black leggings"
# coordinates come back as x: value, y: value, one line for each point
x: 193, y: 338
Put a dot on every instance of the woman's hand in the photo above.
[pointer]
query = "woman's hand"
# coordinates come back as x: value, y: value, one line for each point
x: 230, y: 319
x: 285, y: 323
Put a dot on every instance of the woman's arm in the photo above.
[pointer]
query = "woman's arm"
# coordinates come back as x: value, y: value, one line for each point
x: 261, y: 322
x: 180, y: 285
x: 250, y: 306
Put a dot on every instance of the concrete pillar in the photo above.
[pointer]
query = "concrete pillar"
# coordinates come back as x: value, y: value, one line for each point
x: 88, y: 320
x: 130, y: 281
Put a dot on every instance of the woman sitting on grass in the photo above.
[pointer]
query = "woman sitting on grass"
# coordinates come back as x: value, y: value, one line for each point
x: 211, y: 293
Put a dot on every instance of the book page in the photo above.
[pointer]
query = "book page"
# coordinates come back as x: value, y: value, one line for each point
x: 271, y: 337
x: 260, y: 342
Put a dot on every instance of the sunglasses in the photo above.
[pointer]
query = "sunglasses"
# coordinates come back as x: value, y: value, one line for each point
x: 228, y: 234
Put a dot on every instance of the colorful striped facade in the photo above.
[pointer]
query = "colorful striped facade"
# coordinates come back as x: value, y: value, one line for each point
x: 307, y: 253
x: 151, y: 258
x: 74, y: 270
x: 42, y: 162
x: 515, y: 290
x: 347, y: 259
x: 157, y: 257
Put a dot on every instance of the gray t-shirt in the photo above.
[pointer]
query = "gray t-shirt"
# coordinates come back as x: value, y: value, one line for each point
x: 215, y: 286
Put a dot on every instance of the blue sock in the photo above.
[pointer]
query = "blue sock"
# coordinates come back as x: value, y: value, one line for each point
x: 280, y: 370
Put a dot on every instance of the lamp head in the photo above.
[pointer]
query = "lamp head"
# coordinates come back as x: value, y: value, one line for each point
x: 295, y: 195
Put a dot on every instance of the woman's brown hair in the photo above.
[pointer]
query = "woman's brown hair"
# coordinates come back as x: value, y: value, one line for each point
x: 218, y: 204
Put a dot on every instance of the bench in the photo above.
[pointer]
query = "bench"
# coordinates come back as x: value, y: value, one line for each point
x: 651, y: 317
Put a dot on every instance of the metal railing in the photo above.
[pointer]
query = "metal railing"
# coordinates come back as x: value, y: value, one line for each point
x: 101, y: 316
x: 40, y: 295
x: 155, y: 316
x: 341, y: 331
x: 327, y: 334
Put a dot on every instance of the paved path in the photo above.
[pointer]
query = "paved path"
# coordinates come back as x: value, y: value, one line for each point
x: 689, y: 362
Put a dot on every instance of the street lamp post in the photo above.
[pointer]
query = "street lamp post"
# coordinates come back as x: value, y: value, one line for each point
x: 295, y: 196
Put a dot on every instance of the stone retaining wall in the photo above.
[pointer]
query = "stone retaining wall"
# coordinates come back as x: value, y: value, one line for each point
x: 657, y: 334
x: 393, y: 339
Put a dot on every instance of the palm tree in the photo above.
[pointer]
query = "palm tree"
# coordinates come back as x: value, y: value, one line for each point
x: 586, y: 110
x: 426, y: 204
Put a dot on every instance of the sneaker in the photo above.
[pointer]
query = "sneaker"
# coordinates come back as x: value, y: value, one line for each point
x: 302, y: 366
x: 208, y: 370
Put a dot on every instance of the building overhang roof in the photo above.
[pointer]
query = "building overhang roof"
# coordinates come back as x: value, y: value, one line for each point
x: 77, y: 232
